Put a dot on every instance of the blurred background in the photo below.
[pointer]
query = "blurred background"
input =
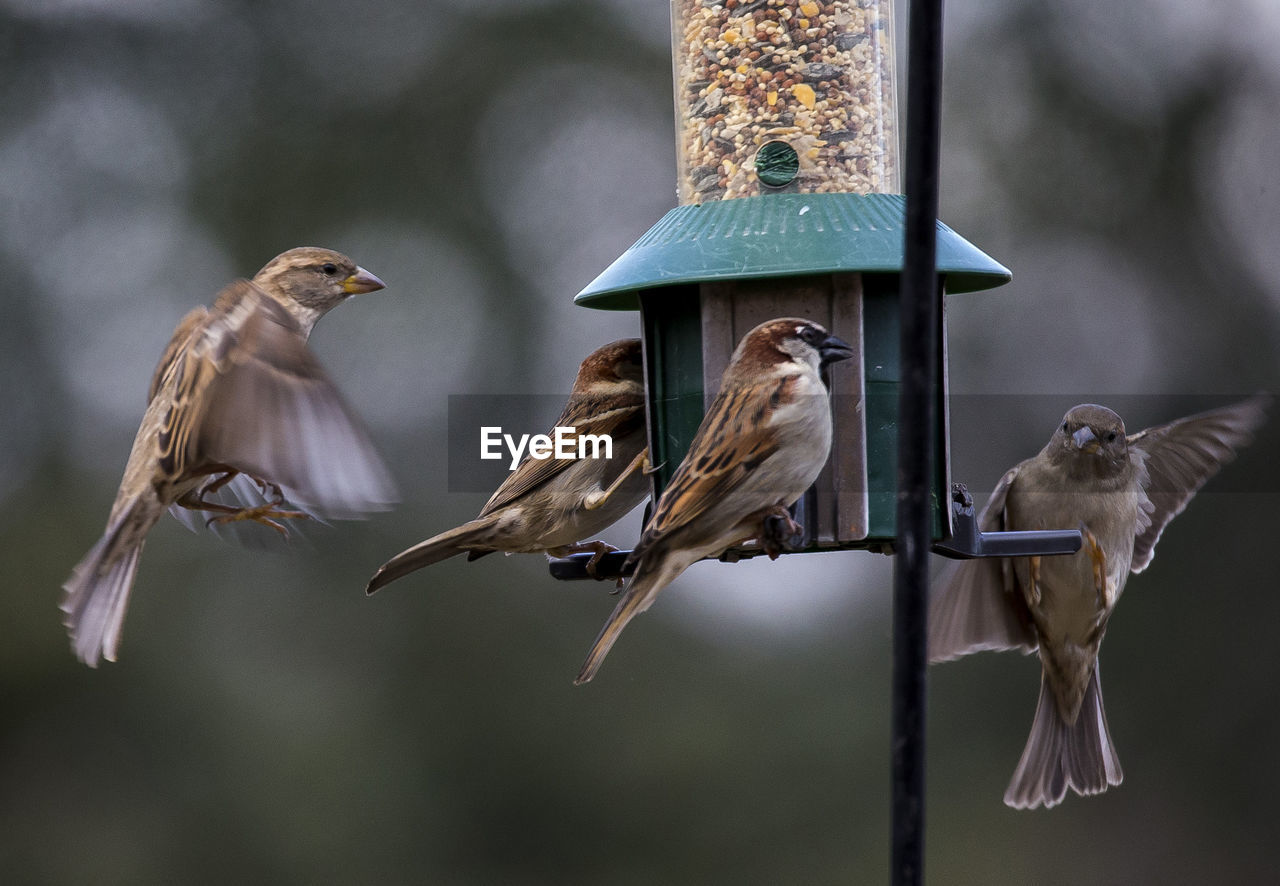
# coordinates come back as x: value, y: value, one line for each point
x: 267, y: 723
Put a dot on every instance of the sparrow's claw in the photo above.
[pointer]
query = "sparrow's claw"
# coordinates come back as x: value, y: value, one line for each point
x: 597, y: 548
x: 779, y: 532
x: 214, y: 485
x: 267, y: 514
x: 1099, y: 559
x: 195, y: 499
x: 1034, y: 565
x: 639, y: 463
x: 594, y: 562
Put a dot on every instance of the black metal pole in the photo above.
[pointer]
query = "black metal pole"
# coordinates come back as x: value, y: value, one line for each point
x: 916, y: 427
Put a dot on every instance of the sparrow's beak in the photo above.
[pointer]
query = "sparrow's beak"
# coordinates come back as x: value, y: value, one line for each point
x: 362, y: 281
x: 833, y: 350
x: 1085, y: 440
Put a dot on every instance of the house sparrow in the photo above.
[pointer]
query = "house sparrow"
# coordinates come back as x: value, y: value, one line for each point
x: 237, y: 395
x: 552, y: 504
x: 1121, y: 491
x: 761, y: 444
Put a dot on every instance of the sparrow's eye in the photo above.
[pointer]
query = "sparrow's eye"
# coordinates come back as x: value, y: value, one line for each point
x: 811, y: 335
x: 1111, y: 437
x: 1065, y: 427
x: 328, y: 269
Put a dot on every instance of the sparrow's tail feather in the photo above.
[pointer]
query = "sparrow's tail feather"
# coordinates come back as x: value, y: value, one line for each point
x: 433, y: 550
x: 1080, y: 756
x: 970, y: 611
x: 640, y: 594
x: 96, y: 595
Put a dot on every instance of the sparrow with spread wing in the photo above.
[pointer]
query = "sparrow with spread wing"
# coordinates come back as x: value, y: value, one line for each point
x: 761, y: 444
x: 237, y: 394
x: 550, y: 505
x: 1121, y: 491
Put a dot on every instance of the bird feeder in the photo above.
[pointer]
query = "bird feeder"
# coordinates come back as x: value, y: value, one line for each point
x: 787, y: 177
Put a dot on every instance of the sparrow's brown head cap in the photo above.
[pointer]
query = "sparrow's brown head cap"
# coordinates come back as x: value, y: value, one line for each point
x: 790, y: 338
x: 314, y: 279
x: 618, y: 361
x: 1090, y: 428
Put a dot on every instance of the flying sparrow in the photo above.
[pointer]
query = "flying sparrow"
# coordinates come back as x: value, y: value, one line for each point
x: 761, y: 444
x: 237, y: 403
x: 550, y: 505
x: 1120, y: 491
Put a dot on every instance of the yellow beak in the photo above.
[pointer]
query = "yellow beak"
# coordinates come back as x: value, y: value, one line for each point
x: 362, y: 281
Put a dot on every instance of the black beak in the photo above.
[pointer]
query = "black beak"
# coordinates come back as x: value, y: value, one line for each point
x: 833, y: 350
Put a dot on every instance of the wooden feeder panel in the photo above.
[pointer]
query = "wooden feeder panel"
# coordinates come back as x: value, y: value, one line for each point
x: 690, y: 332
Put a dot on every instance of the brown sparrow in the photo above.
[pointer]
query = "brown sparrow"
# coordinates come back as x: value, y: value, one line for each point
x: 549, y: 505
x: 761, y: 444
x: 237, y: 394
x: 1121, y: 491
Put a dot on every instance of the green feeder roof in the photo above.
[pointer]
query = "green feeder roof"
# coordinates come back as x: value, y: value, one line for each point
x: 780, y: 235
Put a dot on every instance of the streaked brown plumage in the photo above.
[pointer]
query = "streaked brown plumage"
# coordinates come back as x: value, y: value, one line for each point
x: 552, y: 504
x: 1121, y: 491
x: 237, y: 393
x: 761, y: 444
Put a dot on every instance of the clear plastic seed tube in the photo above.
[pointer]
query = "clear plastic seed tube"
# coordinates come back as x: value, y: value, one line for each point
x: 784, y: 96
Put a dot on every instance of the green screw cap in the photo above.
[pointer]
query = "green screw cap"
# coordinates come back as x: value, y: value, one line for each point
x: 777, y: 163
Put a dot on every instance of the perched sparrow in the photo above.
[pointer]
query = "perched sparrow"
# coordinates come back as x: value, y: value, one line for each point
x: 237, y: 392
x: 1121, y: 491
x: 760, y: 446
x: 552, y: 504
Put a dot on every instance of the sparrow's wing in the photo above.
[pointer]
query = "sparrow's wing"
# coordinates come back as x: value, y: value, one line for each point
x: 189, y: 324
x: 732, y: 442
x: 240, y: 491
x: 975, y: 605
x: 1181, y: 456
x: 615, y: 415
x: 249, y: 394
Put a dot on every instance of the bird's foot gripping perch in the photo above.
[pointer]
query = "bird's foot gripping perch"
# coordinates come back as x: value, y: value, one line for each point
x: 597, y: 549
x: 779, y: 532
